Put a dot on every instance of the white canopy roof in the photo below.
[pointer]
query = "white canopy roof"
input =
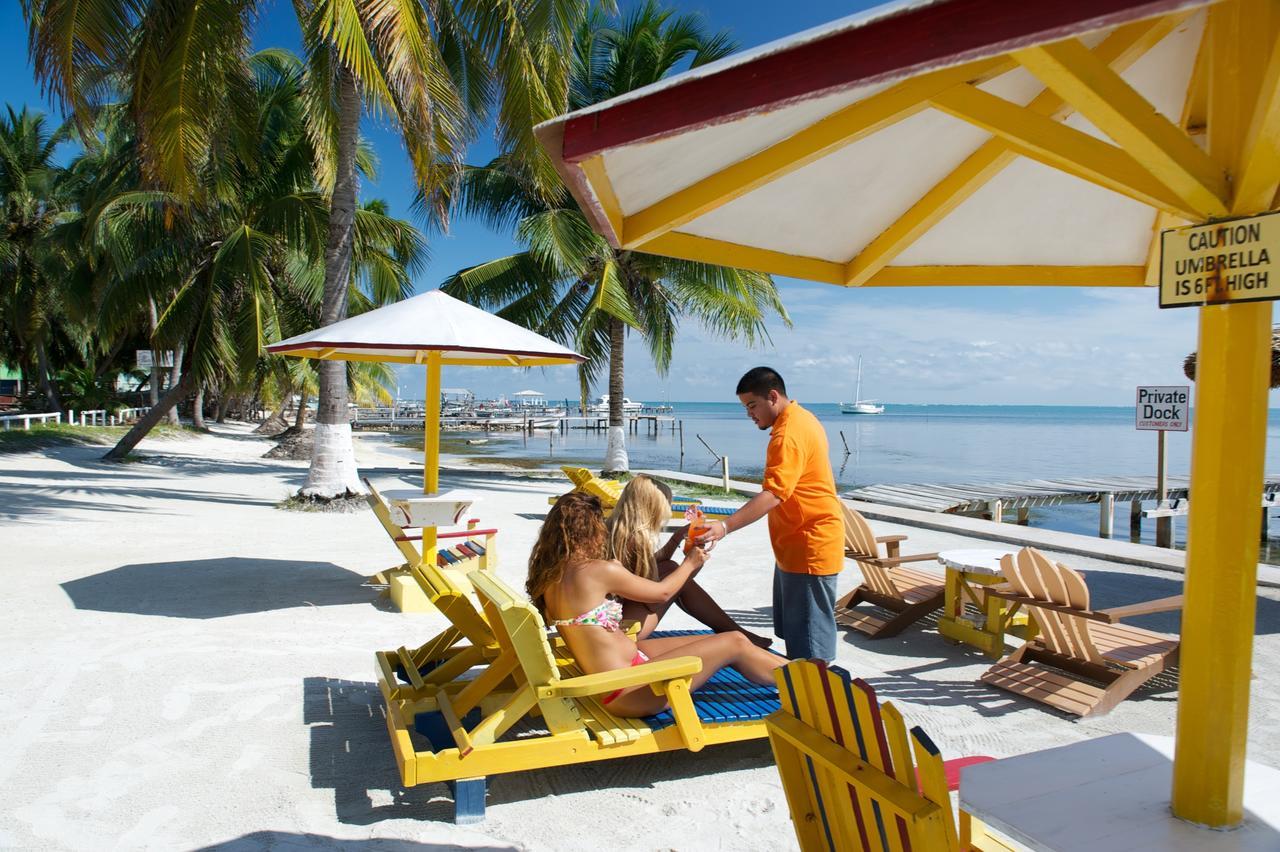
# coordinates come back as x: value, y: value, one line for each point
x: 528, y: 393
x: 915, y: 143
x: 406, y: 331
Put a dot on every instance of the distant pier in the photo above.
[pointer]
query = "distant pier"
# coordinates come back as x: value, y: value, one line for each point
x: 992, y: 499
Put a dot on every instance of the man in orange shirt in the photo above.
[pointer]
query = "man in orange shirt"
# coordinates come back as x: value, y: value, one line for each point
x: 806, y: 526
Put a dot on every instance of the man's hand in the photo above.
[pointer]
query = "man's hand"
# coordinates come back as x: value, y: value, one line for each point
x: 715, y: 531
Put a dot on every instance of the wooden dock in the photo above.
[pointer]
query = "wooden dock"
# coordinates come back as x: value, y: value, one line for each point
x: 994, y: 498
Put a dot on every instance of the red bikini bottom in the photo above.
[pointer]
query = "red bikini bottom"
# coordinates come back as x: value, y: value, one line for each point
x: 635, y: 661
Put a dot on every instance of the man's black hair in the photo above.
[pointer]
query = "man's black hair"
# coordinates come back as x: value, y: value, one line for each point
x: 761, y: 380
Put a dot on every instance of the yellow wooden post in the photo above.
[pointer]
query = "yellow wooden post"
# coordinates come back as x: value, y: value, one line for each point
x: 1227, y: 453
x: 431, y: 441
x: 431, y: 449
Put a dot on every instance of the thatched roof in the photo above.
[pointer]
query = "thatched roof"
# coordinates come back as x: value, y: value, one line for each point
x: 1189, y: 365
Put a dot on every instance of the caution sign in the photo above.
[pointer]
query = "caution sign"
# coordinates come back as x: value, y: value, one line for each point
x: 1235, y: 261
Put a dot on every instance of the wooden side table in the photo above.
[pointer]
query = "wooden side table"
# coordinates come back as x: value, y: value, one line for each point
x: 969, y: 614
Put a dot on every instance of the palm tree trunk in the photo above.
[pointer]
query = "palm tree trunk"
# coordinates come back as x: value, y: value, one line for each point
x: 333, y: 462
x: 175, y: 374
x: 154, y: 381
x: 45, y: 376
x: 149, y: 420
x: 615, y: 454
x: 220, y: 412
x: 300, y: 419
x: 197, y: 407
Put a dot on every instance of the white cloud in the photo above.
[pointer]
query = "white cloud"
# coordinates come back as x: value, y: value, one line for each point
x: 1016, y: 346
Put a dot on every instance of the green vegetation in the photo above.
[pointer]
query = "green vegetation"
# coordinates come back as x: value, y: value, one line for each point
x: 38, y: 437
x: 569, y: 283
x: 214, y: 206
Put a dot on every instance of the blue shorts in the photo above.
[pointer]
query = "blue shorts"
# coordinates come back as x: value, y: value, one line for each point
x: 804, y: 614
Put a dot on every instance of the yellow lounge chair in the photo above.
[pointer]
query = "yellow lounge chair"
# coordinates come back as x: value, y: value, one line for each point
x: 1082, y: 661
x: 849, y: 775
x: 609, y: 491
x: 457, y: 734
x: 907, y: 594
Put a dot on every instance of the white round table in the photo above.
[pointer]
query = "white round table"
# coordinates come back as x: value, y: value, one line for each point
x: 969, y: 614
x: 974, y: 561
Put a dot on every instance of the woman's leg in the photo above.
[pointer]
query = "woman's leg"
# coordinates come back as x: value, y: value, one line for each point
x: 696, y: 601
x: 716, y: 652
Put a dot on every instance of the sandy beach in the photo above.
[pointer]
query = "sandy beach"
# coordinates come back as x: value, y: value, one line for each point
x: 187, y: 666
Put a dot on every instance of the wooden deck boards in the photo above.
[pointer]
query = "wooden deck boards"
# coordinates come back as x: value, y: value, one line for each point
x: 977, y: 496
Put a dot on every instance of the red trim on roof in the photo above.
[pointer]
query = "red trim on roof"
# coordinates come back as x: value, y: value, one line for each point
x: 326, y: 344
x: 893, y: 47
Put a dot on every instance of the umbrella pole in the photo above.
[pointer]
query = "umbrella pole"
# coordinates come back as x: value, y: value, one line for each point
x: 431, y: 438
x: 431, y: 449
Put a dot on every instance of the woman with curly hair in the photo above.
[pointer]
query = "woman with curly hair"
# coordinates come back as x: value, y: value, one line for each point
x: 579, y: 589
x: 641, y: 513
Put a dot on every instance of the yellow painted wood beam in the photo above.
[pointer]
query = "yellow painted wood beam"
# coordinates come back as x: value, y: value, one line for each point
x: 1120, y: 111
x: 1120, y: 49
x: 598, y: 178
x: 1228, y: 449
x: 1009, y: 276
x: 1061, y: 147
x: 1194, y: 104
x: 723, y: 253
x: 1258, y: 175
x: 836, y: 131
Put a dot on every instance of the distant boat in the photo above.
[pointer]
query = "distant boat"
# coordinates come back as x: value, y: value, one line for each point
x: 860, y: 405
x: 602, y: 406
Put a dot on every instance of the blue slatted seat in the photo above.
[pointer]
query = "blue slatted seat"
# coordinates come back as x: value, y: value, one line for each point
x: 727, y: 697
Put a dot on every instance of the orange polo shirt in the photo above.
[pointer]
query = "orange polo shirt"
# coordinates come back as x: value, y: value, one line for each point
x: 806, y: 528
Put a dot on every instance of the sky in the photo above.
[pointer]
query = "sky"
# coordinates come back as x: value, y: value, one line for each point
x: 957, y: 345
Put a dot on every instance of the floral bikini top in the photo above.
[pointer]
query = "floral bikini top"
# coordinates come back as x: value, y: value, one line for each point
x: 607, y: 615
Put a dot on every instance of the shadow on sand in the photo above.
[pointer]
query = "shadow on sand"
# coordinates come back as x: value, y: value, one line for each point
x: 350, y: 755
x: 285, y: 841
x: 215, y: 588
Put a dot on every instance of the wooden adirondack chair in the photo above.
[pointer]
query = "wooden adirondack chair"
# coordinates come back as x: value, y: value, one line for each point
x: 849, y: 774
x: 906, y: 593
x: 1082, y: 661
x: 558, y: 710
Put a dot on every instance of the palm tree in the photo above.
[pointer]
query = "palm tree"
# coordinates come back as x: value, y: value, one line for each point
x: 430, y: 66
x: 240, y: 262
x: 568, y: 283
x: 29, y: 206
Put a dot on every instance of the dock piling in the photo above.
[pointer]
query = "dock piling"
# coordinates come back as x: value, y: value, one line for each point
x: 1106, y: 513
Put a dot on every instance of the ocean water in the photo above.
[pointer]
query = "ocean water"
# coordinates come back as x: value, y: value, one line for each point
x: 907, y: 444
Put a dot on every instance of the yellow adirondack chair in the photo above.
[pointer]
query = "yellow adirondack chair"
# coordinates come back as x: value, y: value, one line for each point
x: 849, y: 775
x: 464, y: 723
x: 906, y: 593
x: 609, y: 491
x: 443, y: 661
x: 1082, y: 661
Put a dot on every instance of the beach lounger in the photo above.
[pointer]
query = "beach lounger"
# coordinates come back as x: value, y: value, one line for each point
x: 609, y: 491
x: 907, y: 594
x: 1082, y: 661
x: 457, y: 553
x: 469, y: 733
x: 447, y: 659
x: 850, y: 777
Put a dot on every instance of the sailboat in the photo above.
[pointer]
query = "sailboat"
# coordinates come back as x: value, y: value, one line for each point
x: 860, y: 405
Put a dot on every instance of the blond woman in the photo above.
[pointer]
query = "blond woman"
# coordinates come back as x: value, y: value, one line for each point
x: 637, y: 520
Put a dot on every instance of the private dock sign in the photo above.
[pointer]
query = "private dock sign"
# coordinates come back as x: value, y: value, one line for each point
x: 1235, y: 261
x: 1163, y: 408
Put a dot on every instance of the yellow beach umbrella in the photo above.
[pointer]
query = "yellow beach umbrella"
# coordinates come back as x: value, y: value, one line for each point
x: 995, y: 142
x: 434, y: 330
